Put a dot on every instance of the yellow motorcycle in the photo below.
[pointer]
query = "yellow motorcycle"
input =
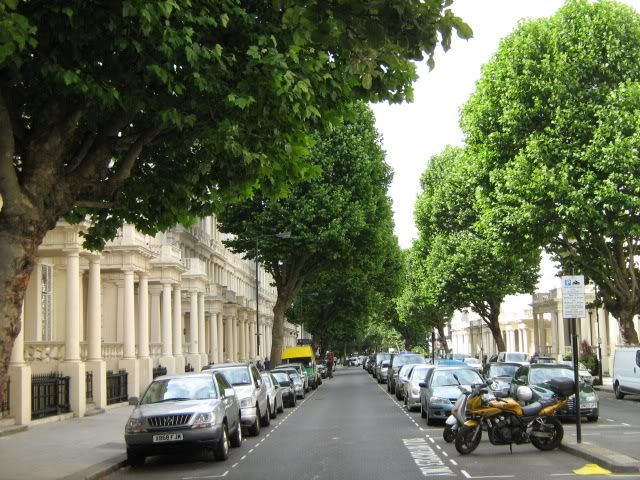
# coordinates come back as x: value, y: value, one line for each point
x: 507, y: 422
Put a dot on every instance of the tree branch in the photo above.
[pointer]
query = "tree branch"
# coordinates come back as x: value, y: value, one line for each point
x: 124, y: 166
x: 9, y: 184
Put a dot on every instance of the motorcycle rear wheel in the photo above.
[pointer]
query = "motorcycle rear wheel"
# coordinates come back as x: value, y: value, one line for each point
x: 548, y: 443
x: 468, y: 439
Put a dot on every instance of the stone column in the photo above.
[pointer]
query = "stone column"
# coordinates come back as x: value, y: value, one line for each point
x: 202, y: 343
x: 167, y: 360
x: 20, y: 378
x: 561, y: 338
x: 177, y: 329
x: 194, y: 357
x: 242, y: 342
x: 95, y: 363
x: 145, y: 362
x: 221, y: 332
x: 228, y: 338
x: 154, y: 327
x: 536, y: 334
x: 72, y: 366
x: 129, y: 362
x: 213, y: 336
x: 234, y: 346
x: 543, y: 332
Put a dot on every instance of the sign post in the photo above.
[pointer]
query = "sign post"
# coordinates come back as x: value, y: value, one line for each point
x: 573, y: 307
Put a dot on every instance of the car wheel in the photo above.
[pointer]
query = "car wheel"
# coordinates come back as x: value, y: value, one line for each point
x: 593, y: 418
x: 423, y: 414
x: 265, y: 420
x: 221, y: 450
x: 617, y: 392
x: 135, y: 459
x: 428, y: 417
x: 281, y: 407
x: 254, y: 430
x: 392, y: 388
x: 274, y: 412
x: 236, y: 438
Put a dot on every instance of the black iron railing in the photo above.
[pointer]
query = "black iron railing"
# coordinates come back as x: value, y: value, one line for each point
x: 5, y: 394
x: 89, y: 386
x: 117, y: 386
x: 49, y: 395
x: 159, y: 370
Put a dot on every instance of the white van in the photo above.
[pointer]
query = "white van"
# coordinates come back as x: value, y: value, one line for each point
x: 626, y: 371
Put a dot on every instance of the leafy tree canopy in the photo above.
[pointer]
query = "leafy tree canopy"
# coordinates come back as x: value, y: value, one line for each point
x: 553, y: 126
x: 340, y: 215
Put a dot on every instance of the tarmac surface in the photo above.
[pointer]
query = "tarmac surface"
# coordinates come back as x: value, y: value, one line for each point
x: 93, y: 447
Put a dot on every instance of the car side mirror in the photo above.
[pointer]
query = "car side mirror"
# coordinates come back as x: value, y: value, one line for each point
x: 423, y: 385
x: 229, y: 392
x: 133, y: 401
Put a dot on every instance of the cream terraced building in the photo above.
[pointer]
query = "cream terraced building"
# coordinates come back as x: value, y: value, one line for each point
x: 176, y: 301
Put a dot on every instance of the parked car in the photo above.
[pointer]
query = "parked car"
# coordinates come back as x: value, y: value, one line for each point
x: 583, y: 372
x: 412, y: 387
x: 302, y: 372
x: 251, y: 391
x: 383, y: 371
x: 397, y: 360
x: 439, y: 390
x: 500, y: 375
x: 403, y: 379
x: 626, y: 371
x: 456, y: 356
x: 286, y: 388
x: 535, y: 376
x: 182, y: 413
x: 322, y: 368
x: 274, y: 394
x: 539, y: 359
x: 514, y: 357
x: 380, y: 357
x: 294, y: 374
x: 473, y: 363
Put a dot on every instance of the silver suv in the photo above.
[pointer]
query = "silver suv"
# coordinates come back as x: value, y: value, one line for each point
x: 251, y: 391
x: 198, y: 410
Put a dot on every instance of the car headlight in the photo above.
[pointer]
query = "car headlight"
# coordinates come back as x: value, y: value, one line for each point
x: 439, y: 401
x: 415, y: 391
x: 246, y: 402
x: 204, y: 420
x: 134, y: 425
x: 590, y: 398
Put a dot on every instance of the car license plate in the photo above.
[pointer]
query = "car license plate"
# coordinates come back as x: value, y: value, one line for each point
x: 167, y: 437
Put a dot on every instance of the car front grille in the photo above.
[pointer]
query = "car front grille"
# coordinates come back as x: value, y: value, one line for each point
x: 169, y: 420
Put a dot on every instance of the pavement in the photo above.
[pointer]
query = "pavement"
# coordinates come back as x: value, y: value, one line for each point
x: 92, y: 447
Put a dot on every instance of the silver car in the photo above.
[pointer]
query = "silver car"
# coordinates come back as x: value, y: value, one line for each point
x: 251, y: 391
x: 412, y: 387
x: 402, y: 379
x: 184, y: 412
x: 274, y: 394
x: 302, y: 372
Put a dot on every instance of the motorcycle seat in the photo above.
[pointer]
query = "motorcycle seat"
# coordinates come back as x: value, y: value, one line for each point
x: 532, y: 409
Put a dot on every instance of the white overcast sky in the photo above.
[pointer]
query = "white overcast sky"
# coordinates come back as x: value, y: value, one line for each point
x: 412, y: 133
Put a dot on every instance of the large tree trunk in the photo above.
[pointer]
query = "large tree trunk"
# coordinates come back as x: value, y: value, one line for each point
x: 489, y: 311
x: 18, y: 245
x: 283, y: 303
x: 624, y: 308
x: 443, y: 338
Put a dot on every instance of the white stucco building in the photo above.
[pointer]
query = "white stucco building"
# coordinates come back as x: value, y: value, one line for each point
x: 175, y: 301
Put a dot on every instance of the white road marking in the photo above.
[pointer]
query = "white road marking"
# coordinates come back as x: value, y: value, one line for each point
x: 453, y: 461
x: 250, y: 451
x: 421, y: 429
x: 206, y: 476
x: 243, y: 457
x: 431, y: 440
x: 445, y: 454
x: 234, y: 465
x: 630, y: 433
x: 464, y: 472
x: 425, y: 458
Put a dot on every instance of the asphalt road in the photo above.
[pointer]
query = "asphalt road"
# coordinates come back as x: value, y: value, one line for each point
x: 618, y: 427
x: 352, y: 429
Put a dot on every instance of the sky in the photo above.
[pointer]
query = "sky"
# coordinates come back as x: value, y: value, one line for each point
x: 412, y: 133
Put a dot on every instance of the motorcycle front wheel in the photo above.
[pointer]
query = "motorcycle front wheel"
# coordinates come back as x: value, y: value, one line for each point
x: 550, y: 426
x: 468, y: 439
x: 448, y: 434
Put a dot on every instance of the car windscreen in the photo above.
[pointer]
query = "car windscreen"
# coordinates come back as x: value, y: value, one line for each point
x: 418, y: 374
x: 444, y: 378
x: 400, y: 360
x: 282, y: 378
x: 177, y: 389
x: 502, y: 370
x: 541, y: 375
x: 237, y: 376
x: 267, y: 380
x: 515, y: 357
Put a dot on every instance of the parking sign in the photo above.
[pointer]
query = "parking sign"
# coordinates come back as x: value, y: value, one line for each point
x: 573, y: 296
